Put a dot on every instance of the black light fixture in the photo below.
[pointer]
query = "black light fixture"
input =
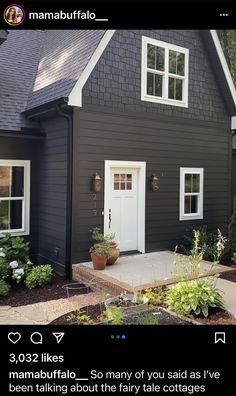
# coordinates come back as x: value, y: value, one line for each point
x: 97, y: 183
x: 155, y: 182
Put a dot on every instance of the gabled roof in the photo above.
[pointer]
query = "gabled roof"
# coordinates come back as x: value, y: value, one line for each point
x: 40, y: 67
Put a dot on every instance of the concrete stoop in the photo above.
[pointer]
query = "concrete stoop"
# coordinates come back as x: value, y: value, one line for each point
x: 99, y: 281
x: 137, y: 272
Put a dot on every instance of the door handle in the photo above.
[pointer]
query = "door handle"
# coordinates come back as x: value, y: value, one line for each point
x: 109, y: 218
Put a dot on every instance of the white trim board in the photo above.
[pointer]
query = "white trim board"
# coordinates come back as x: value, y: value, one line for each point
x: 26, y: 199
x: 224, y: 64
x: 141, y: 166
x: 75, y: 97
x: 233, y: 123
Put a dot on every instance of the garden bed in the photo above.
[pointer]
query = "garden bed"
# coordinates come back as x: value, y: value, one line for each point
x: 20, y: 295
x: 154, y: 316
x: 230, y: 276
x: 217, y: 317
x: 160, y: 317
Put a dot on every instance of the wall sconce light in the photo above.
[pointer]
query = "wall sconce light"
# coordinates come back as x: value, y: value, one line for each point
x: 97, y: 183
x: 155, y: 182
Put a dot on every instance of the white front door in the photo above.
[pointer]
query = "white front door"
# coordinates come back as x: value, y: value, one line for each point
x: 124, y: 203
x: 123, y: 207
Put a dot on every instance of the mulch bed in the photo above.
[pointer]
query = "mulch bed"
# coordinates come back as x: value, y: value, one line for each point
x: 231, y: 275
x: 20, y: 295
x: 94, y: 311
x: 216, y: 317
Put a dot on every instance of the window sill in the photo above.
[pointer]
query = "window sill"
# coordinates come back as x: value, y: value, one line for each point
x: 14, y: 233
x: 193, y: 217
x: 170, y: 102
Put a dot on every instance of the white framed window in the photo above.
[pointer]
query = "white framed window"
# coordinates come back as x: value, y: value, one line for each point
x: 14, y: 197
x: 191, y: 194
x: 164, y: 73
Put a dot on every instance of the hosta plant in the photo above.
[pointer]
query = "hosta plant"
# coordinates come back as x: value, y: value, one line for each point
x: 4, y: 288
x: 195, y: 297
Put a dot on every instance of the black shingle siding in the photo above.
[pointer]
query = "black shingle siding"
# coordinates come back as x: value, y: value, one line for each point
x: 116, y: 80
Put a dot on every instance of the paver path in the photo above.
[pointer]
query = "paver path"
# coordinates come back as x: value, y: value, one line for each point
x: 45, y: 312
x: 229, y: 294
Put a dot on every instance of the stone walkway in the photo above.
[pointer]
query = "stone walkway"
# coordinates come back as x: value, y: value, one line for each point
x: 229, y: 294
x: 45, y: 312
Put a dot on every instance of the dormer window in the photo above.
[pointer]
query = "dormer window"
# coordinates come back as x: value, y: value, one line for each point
x: 164, y: 73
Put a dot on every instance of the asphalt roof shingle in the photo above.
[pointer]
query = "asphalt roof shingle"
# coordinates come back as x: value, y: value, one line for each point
x: 64, y: 56
x: 19, y: 57
x: 37, y: 67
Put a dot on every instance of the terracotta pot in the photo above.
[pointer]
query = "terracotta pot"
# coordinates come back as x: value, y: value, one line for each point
x: 114, y: 254
x: 99, y: 262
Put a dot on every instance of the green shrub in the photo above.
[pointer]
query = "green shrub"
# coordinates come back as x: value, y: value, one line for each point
x: 39, y: 276
x: 5, y: 269
x: 80, y: 317
x: 232, y: 230
x: 194, y: 297
x: 4, y: 288
x: 15, y: 248
x: 186, y: 267
x: 113, y: 315
x: 15, y: 253
x: 210, y: 245
x: 155, y: 296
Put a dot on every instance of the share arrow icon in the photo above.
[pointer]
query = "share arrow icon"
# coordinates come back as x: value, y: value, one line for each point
x: 58, y: 336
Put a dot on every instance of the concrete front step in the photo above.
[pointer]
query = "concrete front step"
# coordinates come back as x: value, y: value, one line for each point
x: 137, y: 272
x: 99, y: 281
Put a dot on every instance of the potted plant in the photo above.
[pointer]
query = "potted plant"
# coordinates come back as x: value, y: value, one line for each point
x: 106, y: 241
x: 99, y: 255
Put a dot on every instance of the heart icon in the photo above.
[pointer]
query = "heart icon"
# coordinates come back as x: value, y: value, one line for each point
x: 14, y: 337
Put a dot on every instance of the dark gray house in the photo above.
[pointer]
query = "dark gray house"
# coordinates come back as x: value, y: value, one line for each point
x: 128, y: 130
x: 233, y: 127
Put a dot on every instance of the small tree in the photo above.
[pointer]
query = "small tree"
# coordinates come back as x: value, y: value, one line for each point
x: 232, y: 230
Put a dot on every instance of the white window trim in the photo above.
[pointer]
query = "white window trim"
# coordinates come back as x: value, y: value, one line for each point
x: 167, y: 47
x: 25, y: 202
x: 190, y: 216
